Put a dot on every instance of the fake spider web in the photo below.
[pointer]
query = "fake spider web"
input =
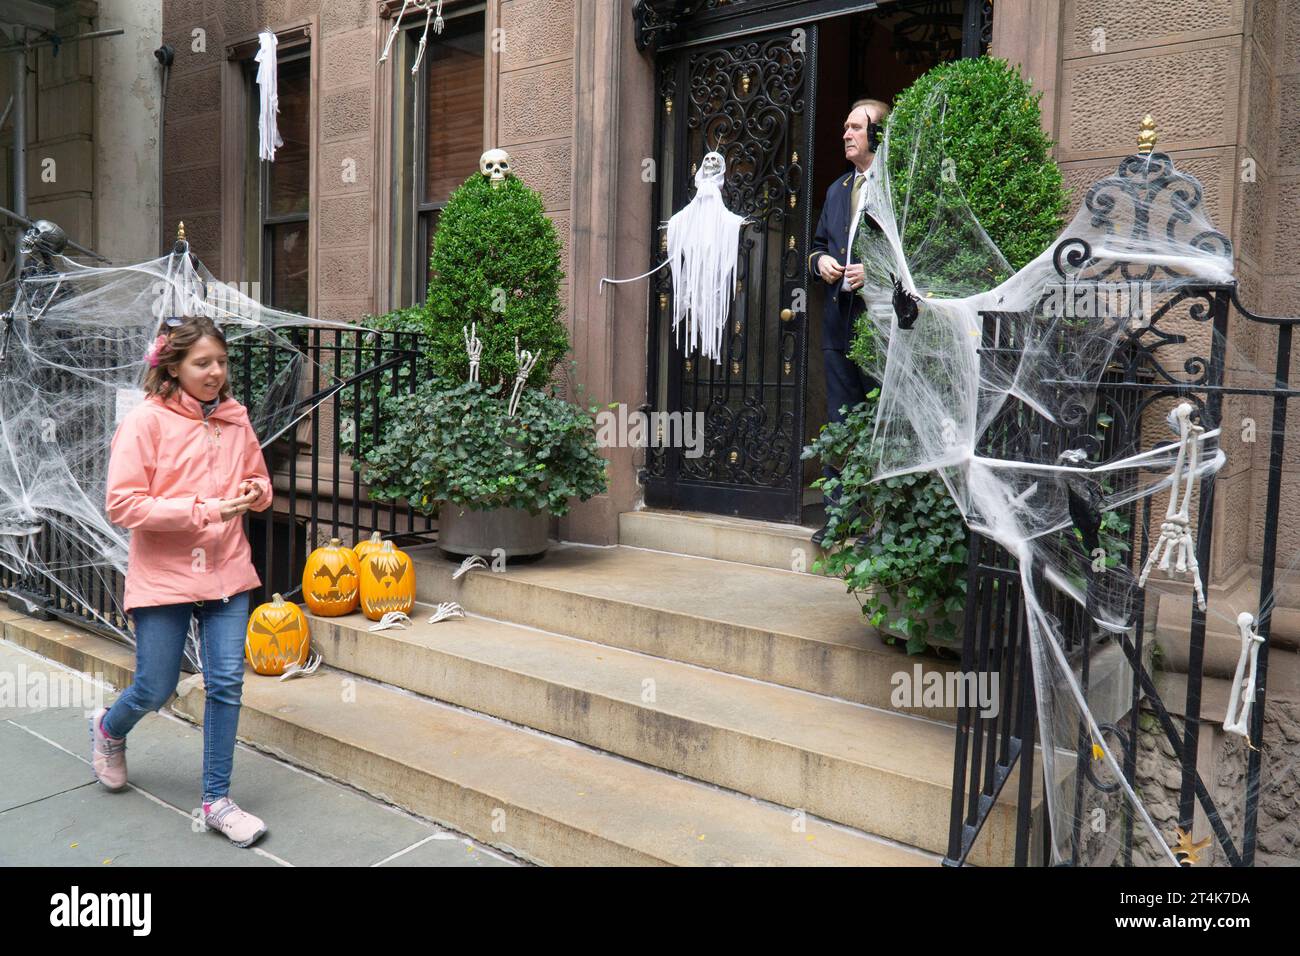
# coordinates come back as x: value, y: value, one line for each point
x: 73, y: 344
x: 997, y: 369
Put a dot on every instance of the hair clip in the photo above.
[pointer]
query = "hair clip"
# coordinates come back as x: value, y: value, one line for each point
x: 154, y: 355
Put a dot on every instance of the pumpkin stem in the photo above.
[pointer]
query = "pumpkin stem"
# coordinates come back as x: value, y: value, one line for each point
x: 277, y: 600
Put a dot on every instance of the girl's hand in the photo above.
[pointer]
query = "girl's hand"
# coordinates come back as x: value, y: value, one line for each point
x: 248, y: 485
x: 233, y: 507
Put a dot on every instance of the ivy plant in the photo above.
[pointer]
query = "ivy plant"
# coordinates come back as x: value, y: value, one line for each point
x: 899, y: 544
x: 456, y: 442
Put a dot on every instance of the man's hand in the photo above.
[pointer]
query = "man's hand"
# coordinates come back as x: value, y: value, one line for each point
x: 854, y: 274
x: 829, y: 268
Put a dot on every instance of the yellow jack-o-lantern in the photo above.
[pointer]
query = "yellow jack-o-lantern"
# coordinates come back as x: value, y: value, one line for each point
x: 277, y: 636
x: 329, y: 580
x: 387, y: 582
x: 374, y: 543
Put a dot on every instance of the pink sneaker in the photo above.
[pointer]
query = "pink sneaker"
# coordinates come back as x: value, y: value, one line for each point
x: 107, y: 754
x: 243, y: 828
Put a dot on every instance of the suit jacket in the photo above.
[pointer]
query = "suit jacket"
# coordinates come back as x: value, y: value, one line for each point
x: 832, y: 236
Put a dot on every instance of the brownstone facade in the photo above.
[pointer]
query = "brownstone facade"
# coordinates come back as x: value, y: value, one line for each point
x: 571, y: 98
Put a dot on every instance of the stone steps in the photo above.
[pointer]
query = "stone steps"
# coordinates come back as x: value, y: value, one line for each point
x: 542, y: 798
x: 878, y: 771
x: 797, y: 630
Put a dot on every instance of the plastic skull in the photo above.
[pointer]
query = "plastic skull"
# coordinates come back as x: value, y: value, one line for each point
x: 495, y: 164
x: 44, y: 237
x: 713, y: 164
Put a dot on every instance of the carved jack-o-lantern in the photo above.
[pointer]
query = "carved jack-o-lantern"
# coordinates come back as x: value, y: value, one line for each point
x: 330, y: 579
x: 387, y: 582
x: 277, y: 636
x: 374, y: 543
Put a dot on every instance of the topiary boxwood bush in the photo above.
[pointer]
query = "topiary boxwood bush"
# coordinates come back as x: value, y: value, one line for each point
x: 1001, y: 158
x: 496, y: 262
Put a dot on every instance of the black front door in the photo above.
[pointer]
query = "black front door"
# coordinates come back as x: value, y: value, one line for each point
x: 751, y: 99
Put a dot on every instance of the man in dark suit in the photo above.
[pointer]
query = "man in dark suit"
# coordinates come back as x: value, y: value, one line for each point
x: 831, y: 262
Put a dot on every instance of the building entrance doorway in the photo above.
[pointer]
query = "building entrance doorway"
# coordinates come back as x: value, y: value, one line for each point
x: 768, y: 85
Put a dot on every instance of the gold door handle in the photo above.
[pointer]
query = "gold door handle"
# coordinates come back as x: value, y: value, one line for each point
x: 786, y: 315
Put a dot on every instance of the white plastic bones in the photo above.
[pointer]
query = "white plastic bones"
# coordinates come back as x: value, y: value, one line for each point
x: 1176, y: 539
x: 1237, y: 719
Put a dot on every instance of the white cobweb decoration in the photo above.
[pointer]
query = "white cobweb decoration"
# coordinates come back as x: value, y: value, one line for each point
x: 73, y: 343
x: 940, y: 396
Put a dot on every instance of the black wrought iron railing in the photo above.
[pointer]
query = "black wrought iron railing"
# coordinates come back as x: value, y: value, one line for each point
x: 315, y: 396
x: 1152, y: 367
x: 336, y: 382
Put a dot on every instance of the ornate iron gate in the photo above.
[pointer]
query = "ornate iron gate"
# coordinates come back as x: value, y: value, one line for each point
x: 1152, y: 366
x: 750, y: 99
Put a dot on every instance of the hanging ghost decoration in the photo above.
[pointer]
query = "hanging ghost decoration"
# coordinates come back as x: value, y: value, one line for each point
x: 268, y: 129
x: 703, y: 252
x: 703, y: 240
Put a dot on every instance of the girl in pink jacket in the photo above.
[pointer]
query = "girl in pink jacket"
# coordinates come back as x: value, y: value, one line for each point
x: 184, y: 468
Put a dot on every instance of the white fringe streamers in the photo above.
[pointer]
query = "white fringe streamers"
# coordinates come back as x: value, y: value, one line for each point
x: 703, y: 250
x: 268, y: 131
x: 703, y: 244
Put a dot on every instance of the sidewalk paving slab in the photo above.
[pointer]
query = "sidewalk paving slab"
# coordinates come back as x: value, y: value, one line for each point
x: 49, y: 799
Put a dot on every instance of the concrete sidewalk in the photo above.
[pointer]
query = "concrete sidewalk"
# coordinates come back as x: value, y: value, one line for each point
x: 54, y: 813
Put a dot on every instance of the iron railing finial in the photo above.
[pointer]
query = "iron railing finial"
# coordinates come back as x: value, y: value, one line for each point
x: 1147, y: 136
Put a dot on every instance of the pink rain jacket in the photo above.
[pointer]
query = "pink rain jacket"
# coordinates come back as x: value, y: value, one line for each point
x: 167, y: 474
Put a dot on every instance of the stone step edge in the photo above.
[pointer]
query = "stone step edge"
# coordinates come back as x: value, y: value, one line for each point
x: 87, y: 649
x: 668, y: 614
x: 181, y: 706
x: 350, y: 622
x: 878, y: 775
x: 640, y: 529
x: 905, y: 662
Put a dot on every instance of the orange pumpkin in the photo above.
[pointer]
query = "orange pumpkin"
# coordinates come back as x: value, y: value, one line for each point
x: 329, y: 580
x: 387, y: 582
x: 374, y: 543
x: 277, y: 636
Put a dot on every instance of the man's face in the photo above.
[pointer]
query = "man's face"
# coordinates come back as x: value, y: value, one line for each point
x: 855, y: 136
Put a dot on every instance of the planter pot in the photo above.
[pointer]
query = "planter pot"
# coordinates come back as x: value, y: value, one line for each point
x: 933, y: 618
x: 512, y: 531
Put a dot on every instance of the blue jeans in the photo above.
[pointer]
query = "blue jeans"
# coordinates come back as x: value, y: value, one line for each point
x: 160, y: 635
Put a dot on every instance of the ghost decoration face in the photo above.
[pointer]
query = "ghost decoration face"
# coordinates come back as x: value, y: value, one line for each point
x: 712, y: 166
x: 495, y: 166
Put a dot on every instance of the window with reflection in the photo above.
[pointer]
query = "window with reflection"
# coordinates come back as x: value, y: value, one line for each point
x: 278, y: 192
x: 444, y: 133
